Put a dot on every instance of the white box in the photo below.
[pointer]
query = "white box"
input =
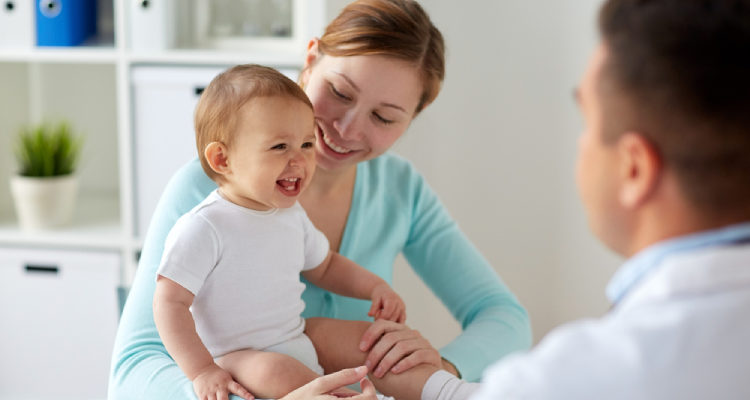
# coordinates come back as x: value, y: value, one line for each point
x: 59, y: 315
x: 152, y: 24
x: 17, y: 24
x: 164, y: 100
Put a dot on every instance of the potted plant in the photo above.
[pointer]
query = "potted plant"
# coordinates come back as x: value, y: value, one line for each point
x: 45, y: 187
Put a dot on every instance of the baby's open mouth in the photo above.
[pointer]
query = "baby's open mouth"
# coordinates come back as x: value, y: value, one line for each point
x: 289, y: 186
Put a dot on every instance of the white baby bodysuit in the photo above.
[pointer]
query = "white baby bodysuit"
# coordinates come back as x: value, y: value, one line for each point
x: 243, y: 267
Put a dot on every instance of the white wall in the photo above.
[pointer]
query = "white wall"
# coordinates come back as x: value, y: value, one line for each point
x: 499, y: 146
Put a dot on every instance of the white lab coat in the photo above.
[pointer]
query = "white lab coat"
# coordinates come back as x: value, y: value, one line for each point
x: 681, y: 332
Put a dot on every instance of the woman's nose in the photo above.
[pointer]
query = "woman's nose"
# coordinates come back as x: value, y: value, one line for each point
x: 349, y: 126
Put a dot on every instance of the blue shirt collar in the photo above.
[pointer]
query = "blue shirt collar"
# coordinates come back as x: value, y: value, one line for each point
x: 647, y: 260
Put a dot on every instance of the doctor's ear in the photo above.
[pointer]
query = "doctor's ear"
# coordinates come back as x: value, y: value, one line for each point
x: 640, y: 169
x: 217, y: 157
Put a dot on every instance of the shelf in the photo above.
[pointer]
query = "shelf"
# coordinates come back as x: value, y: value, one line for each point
x: 71, y: 55
x: 95, y: 225
x: 214, y: 57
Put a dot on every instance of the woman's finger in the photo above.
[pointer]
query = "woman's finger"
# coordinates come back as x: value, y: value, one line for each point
x: 384, y: 346
x: 399, y: 351
x: 421, y: 356
x: 376, y: 330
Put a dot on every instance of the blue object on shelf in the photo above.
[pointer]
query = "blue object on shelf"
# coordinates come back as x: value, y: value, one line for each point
x: 64, y: 22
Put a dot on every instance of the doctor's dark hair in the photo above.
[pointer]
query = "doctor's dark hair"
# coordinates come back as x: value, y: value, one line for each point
x: 218, y: 107
x: 394, y: 28
x: 678, y: 72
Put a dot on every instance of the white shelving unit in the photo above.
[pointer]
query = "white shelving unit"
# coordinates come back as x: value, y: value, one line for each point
x: 58, y: 289
x: 92, y: 87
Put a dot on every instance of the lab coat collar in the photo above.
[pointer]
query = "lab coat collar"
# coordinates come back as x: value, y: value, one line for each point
x: 633, y: 271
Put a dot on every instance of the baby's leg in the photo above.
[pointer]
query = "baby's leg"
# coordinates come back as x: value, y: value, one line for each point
x: 266, y: 374
x: 337, y: 345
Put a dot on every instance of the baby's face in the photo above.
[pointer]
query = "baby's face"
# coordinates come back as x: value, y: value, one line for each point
x: 272, y: 157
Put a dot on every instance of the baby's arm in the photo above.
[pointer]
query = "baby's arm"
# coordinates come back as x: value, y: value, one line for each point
x: 177, y: 330
x: 341, y: 275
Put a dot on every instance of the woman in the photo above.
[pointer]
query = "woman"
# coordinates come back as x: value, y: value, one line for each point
x: 379, y: 63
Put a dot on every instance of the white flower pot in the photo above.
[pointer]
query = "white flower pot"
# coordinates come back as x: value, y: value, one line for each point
x: 44, y: 203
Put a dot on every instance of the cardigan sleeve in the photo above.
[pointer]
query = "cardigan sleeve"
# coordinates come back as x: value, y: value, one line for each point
x: 494, y: 323
x: 141, y: 367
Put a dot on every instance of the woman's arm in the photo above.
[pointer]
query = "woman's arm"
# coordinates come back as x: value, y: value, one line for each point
x: 493, y: 322
x: 141, y: 366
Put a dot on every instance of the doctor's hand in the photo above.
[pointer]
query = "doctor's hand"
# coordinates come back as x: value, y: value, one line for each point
x: 332, y: 387
x: 386, y: 304
x: 395, y: 347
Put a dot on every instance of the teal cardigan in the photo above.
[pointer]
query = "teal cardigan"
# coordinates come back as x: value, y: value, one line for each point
x: 393, y: 211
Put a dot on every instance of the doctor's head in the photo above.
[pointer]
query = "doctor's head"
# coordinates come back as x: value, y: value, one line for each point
x: 665, y: 101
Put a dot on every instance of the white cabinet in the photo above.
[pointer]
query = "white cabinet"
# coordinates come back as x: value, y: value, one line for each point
x: 125, y: 164
x: 59, y: 315
x: 164, y: 139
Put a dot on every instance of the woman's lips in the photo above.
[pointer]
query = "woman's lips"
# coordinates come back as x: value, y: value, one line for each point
x: 330, y: 148
x: 334, y: 146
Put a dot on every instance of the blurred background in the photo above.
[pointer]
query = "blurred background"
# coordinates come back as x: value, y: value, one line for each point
x: 498, y: 146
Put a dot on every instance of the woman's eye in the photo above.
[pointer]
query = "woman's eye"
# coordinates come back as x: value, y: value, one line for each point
x: 339, y: 94
x: 381, y: 119
x: 280, y: 146
x: 307, y: 145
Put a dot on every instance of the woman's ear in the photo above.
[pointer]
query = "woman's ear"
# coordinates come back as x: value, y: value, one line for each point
x: 640, y: 169
x: 313, y: 52
x: 312, y: 56
x: 217, y: 157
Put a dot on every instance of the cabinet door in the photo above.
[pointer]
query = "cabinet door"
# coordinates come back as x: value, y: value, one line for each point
x: 59, y: 316
x: 164, y: 99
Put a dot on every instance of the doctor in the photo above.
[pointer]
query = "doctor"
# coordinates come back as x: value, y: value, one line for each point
x: 664, y: 174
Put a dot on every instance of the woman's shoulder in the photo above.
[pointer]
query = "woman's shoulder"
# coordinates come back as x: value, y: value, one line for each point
x: 188, y: 186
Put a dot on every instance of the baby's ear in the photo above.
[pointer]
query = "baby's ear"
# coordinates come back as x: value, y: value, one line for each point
x: 217, y: 157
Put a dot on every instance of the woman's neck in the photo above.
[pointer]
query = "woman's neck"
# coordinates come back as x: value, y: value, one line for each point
x: 327, y: 182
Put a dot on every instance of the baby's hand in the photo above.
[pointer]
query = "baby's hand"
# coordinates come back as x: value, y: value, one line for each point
x: 386, y: 304
x: 216, y: 383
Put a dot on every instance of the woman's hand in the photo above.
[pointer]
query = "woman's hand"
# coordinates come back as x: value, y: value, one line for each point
x: 330, y: 387
x: 396, y: 348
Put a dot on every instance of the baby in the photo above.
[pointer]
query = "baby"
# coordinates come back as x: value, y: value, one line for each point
x: 228, y: 295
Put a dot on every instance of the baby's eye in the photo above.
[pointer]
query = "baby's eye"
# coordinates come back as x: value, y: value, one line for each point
x: 280, y: 146
x: 307, y: 145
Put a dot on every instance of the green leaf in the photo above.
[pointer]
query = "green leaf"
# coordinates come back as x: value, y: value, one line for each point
x: 48, y: 150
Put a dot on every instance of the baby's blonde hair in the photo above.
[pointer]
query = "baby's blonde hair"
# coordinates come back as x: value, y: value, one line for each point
x: 217, y: 110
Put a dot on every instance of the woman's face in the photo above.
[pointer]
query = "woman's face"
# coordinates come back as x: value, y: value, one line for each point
x: 362, y: 104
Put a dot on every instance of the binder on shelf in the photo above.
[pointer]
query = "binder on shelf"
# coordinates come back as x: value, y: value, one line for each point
x: 17, y: 24
x: 152, y: 24
x: 64, y: 22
